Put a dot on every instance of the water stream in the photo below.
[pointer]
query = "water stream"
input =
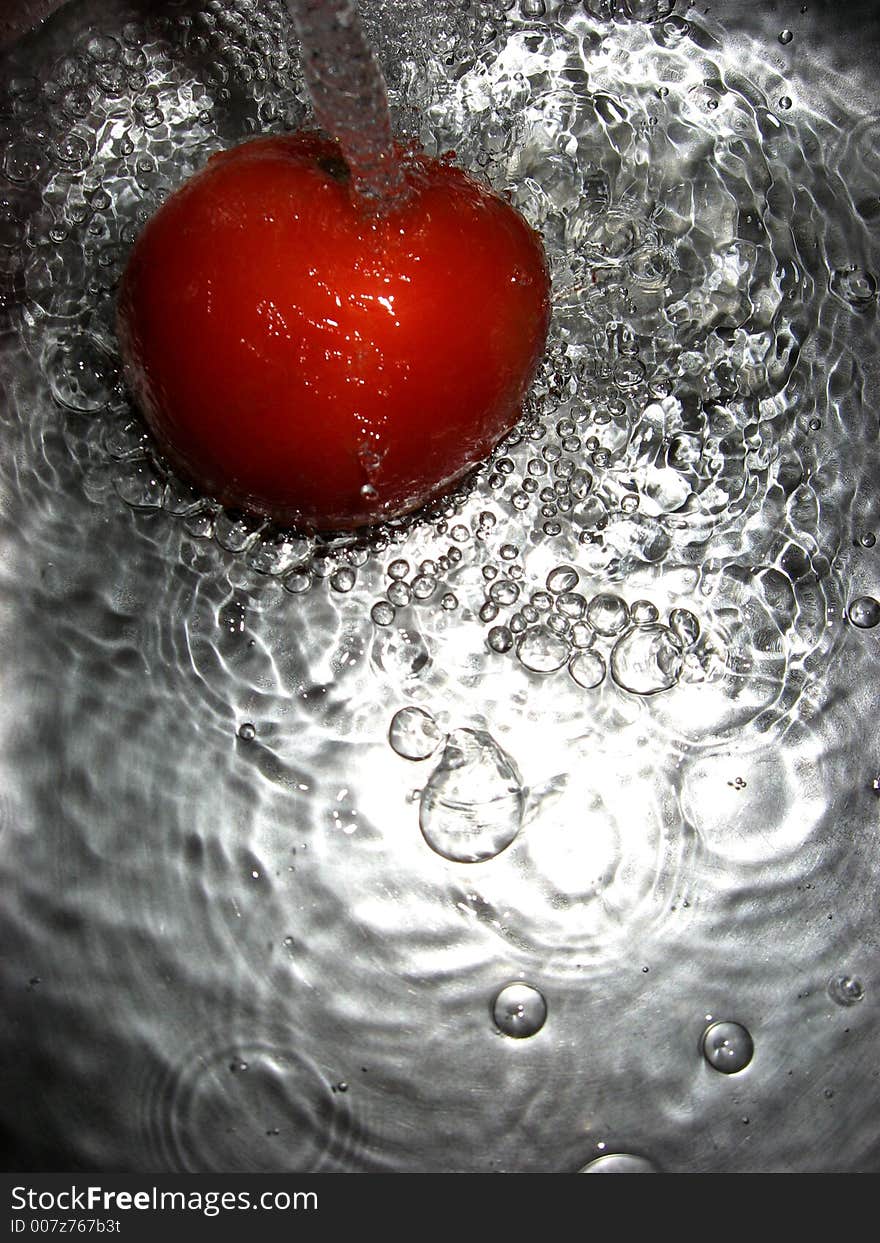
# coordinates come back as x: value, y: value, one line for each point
x: 348, y: 94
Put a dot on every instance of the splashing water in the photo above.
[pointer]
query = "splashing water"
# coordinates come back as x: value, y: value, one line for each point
x: 349, y: 97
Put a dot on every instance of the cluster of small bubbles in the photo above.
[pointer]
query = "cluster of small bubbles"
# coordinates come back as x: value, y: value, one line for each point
x: 519, y: 1010
x: 727, y: 1046
x: 855, y: 286
x: 471, y: 807
x: 864, y: 612
x: 414, y: 734
x: 845, y: 990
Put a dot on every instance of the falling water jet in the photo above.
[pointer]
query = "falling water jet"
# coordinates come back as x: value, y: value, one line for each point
x: 349, y: 97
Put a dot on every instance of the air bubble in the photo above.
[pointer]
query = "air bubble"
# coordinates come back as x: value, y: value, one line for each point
x: 562, y: 579
x: 414, y: 734
x: 855, y: 286
x: 81, y: 374
x: 587, y: 669
x: 472, y: 805
x: 343, y: 579
x: 102, y: 48
x: 423, y: 586
x: 572, y: 605
x: 24, y: 162
x: 620, y: 1163
x: 299, y: 580
x: 727, y: 1046
x: 503, y: 592
x: 685, y: 451
x: 647, y: 660
x: 785, y: 36
x: 643, y: 612
x: 500, y: 639
x: 519, y: 1010
x: 402, y: 652
x: 542, y: 651
x: 72, y: 151
x: 383, y: 613
x: 608, y: 614
x: 247, y: 732
x: 580, y: 635
x: 845, y: 990
x: 399, y: 593
x: 864, y: 612
x: 140, y: 486
x: 685, y: 626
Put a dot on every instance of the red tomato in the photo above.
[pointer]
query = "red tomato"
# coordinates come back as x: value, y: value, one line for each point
x: 298, y: 357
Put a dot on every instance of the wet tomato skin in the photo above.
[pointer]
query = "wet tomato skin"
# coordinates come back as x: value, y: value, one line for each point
x: 297, y: 356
